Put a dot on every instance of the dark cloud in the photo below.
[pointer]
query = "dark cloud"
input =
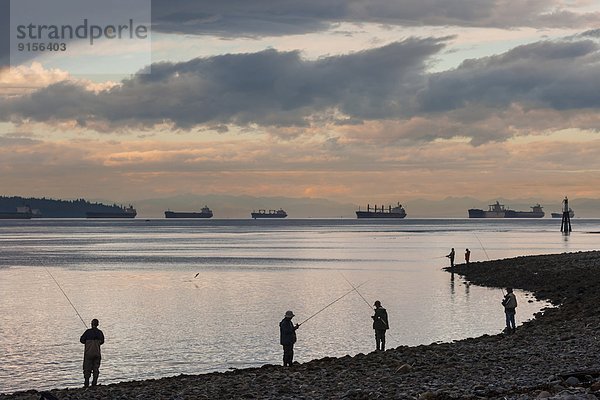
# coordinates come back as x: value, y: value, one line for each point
x: 266, y: 88
x: 279, y: 17
x: 487, y: 99
x: 235, y: 18
x: 558, y: 75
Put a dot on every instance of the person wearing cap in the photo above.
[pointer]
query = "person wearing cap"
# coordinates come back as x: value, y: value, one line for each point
x: 510, y: 304
x: 92, y: 338
x: 287, y: 333
x: 380, y: 324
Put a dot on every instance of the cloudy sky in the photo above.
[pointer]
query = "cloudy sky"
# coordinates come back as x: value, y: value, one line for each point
x: 350, y: 100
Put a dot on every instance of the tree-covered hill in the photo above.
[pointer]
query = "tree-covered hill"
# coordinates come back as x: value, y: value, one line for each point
x: 51, y: 208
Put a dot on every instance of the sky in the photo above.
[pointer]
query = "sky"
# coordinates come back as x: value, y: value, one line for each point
x: 355, y: 101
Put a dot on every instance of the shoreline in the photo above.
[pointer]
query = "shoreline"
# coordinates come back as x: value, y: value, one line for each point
x: 541, y: 356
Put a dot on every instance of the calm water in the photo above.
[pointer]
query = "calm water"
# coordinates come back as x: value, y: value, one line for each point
x: 138, y: 278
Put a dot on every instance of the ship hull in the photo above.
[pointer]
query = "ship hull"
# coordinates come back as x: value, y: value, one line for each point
x: 378, y: 214
x: 559, y: 215
x: 14, y: 215
x: 174, y: 214
x: 267, y: 216
x: 523, y: 214
x: 478, y: 213
x: 109, y: 215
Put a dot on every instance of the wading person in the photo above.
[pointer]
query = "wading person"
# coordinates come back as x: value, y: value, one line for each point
x: 510, y: 304
x: 380, y: 324
x: 287, y: 334
x: 92, y: 338
x: 451, y: 257
x: 467, y: 256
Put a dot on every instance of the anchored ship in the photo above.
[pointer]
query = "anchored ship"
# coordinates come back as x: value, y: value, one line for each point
x: 498, y: 210
x: 22, y: 213
x: 205, y: 212
x: 127, y: 212
x: 269, y: 214
x: 536, y: 212
x: 559, y: 215
x: 382, y: 212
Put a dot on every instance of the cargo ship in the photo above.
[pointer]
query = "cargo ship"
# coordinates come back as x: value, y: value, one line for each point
x: 205, y: 212
x: 559, y: 215
x: 382, y: 212
x: 120, y: 212
x: 498, y: 210
x: 269, y: 214
x: 22, y: 213
x: 536, y: 212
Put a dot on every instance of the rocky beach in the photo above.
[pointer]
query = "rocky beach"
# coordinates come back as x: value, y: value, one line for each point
x: 556, y: 355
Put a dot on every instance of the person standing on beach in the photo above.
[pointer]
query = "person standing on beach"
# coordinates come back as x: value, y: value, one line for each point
x: 510, y: 304
x: 287, y: 333
x: 380, y: 324
x: 92, y: 338
x: 467, y: 256
x: 451, y: 257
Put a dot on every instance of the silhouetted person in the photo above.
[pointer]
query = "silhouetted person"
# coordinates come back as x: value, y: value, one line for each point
x: 467, y: 256
x: 451, y: 257
x: 510, y: 304
x: 92, y: 338
x: 287, y: 333
x: 380, y: 324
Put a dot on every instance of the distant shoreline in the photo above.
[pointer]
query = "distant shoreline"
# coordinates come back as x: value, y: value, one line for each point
x: 559, y: 343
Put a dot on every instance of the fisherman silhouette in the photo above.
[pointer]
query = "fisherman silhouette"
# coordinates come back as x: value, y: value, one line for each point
x: 510, y: 304
x: 287, y: 331
x: 451, y: 257
x: 380, y: 324
x: 92, y: 338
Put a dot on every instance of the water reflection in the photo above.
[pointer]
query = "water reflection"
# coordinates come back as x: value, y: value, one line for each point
x: 142, y: 278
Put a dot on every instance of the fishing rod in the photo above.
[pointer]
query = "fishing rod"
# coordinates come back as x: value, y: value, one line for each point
x: 486, y: 254
x: 481, y: 244
x: 332, y: 303
x: 67, y: 297
x: 361, y: 296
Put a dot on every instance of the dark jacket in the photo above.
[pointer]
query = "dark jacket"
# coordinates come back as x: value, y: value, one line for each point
x: 287, y: 332
x: 380, y: 319
x: 509, y: 302
x: 93, y: 338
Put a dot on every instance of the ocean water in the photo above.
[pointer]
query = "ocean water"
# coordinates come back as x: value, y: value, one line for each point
x: 194, y: 296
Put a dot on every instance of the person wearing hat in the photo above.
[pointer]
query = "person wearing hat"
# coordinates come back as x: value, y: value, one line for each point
x: 92, y: 338
x: 510, y: 304
x: 380, y: 324
x: 287, y: 333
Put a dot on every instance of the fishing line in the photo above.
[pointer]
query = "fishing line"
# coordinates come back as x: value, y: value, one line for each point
x: 67, y: 297
x: 354, y: 287
x: 361, y: 296
x: 486, y: 254
x: 332, y: 303
x: 481, y: 244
